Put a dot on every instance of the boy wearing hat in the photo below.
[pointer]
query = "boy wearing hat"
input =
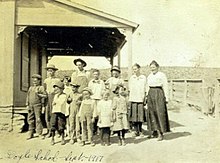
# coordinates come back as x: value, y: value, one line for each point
x: 59, y: 108
x: 114, y: 80
x: 48, y: 84
x: 74, y: 99
x: 80, y: 75
x: 87, y: 116
x: 35, y: 102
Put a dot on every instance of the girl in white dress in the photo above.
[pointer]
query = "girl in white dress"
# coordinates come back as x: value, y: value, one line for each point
x: 105, y: 121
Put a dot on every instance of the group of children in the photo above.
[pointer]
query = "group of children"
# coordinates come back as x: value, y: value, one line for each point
x: 77, y: 114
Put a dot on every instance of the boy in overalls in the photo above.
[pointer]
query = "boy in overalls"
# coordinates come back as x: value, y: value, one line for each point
x: 35, y: 102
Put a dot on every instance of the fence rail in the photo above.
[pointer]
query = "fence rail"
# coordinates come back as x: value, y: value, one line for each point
x: 195, y: 92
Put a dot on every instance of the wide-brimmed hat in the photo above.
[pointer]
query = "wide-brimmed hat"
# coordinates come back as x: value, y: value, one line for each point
x: 74, y: 84
x: 59, y: 84
x: 80, y: 60
x: 51, y: 66
x: 36, y: 76
x: 88, y: 89
x: 116, y: 68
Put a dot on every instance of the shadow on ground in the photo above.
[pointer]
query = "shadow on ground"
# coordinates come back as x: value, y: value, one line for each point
x: 175, y: 124
x: 175, y: 135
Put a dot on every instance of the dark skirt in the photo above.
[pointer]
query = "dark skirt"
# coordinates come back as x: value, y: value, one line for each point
x: 157, y: 116
x: 136, y: 112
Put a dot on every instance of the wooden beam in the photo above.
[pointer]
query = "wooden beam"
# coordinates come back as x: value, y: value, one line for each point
x: 7, y: 52
x: 129, y: 50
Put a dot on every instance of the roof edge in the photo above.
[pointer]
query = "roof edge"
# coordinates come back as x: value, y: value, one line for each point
x: 99, y: 13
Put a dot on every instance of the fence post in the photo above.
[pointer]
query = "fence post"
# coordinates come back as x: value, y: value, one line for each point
x: 185, y: 93
x: 217, y: 99
x: 171, y: 90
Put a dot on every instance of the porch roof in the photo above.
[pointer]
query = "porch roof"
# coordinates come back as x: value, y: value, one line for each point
x: 80, y: 41
x: 68, y: 28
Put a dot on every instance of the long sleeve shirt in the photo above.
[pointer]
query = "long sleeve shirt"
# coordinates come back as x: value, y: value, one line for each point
x: 137, y: 88
x: 81, y: 77
x: 33, y: 95
x: 60, y: 104
x: 158, y: 80
x: 104, y: 110
x: 113, y: 82
x: 49, y: 82
x: 97, y: 87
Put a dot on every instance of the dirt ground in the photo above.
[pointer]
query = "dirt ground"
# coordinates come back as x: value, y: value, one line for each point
x: 194, y: 138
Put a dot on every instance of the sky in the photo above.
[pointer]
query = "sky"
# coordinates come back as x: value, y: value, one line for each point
x: 172, y: 32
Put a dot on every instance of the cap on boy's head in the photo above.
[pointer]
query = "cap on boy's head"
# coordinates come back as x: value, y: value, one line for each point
x: 116, y: 68
x: 74, y: 84
x: 88, y: 90
x: 59, y: 84
x: 51, y: 66
x: 36, y: 76
x: 79, y: 60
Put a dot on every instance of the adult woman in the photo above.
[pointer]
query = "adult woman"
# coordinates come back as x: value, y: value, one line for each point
x: 156, y: 101
x: 137, y: 94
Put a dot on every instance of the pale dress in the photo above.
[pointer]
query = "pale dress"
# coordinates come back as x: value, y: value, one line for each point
x: 104, y: 110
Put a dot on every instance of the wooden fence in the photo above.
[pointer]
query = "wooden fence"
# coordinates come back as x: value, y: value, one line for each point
x: 194, y: 92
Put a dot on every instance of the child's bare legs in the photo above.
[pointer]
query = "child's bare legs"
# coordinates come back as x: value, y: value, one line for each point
x: 52, y: 139
x: 121, y: 137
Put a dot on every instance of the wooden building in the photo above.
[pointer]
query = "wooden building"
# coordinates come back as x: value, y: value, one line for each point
x: 33, y: 30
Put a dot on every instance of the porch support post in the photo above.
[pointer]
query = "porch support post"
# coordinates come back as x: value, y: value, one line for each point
x: 112, y: 61
x: 129, y: 51
x: 7, y: 48
x: 7, y: 41
x: 119, y: 56
x: 44, y: 64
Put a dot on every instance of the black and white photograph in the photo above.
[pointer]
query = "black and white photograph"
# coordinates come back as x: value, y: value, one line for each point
x: 109, y: 81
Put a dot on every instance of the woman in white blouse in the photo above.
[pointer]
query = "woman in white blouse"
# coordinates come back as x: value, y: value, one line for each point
x: 157, y: 99
x: 137, y: 94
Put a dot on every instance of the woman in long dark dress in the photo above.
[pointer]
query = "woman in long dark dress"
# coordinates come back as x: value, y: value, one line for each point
x: 157, y: 99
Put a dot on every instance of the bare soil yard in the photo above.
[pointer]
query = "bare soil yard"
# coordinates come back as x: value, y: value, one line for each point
x: 194, y: 138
